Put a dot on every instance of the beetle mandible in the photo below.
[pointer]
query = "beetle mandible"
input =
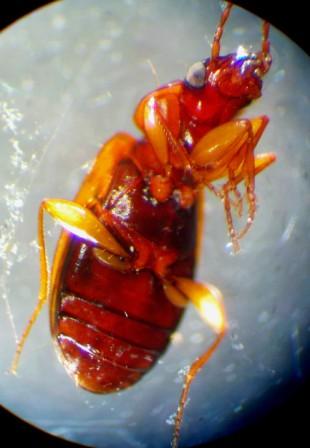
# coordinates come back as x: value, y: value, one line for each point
x: 123, y: 268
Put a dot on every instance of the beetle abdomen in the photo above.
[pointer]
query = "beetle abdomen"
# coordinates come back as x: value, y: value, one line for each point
x: 111, y: 326
x: 103, y: 359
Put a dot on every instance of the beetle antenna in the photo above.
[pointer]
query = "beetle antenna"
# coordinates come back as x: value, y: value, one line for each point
x: 216, y: 44
x: 265, y: 52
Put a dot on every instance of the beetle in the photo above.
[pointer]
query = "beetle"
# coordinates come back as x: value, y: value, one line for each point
x: 123, y: 269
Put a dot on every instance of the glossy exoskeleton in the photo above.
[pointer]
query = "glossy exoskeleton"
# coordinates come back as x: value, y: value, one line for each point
x: 124, y: 265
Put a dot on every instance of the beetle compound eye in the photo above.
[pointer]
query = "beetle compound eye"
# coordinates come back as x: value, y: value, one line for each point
x: 195, y: 76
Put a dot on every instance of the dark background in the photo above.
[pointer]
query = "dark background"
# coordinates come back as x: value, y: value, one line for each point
x: 290, y: 17
x: 286, y: 422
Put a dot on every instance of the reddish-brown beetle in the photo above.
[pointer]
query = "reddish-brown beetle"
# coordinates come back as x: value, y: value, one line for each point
x: 123, y: 268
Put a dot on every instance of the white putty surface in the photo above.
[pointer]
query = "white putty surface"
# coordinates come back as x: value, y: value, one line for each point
x: 71, y: 75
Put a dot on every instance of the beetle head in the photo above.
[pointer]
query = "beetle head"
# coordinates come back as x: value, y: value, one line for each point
x: 225, y: 82
x: 238, y: 75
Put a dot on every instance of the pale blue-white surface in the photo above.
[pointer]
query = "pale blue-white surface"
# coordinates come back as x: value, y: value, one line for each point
x: 71, y: 75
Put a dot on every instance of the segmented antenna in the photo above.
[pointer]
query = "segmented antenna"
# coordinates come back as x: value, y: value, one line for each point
x: 265, y: 52
x: 216, y: 45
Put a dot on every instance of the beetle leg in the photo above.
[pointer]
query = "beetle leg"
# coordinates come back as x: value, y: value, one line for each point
x: 43, y: 292
x: 97, y: 182
x: 207, y: 299
x: 225, y: 145
x: 106, y: 257
x: 163, y: 140
x: 228, y: 152
x: 155, y: 131
x: 168, y: 150
x: 81, y: 222
x: 194, y: 369
x: 261, y: 162
x: 200, y: 222
x: 144, y: 252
